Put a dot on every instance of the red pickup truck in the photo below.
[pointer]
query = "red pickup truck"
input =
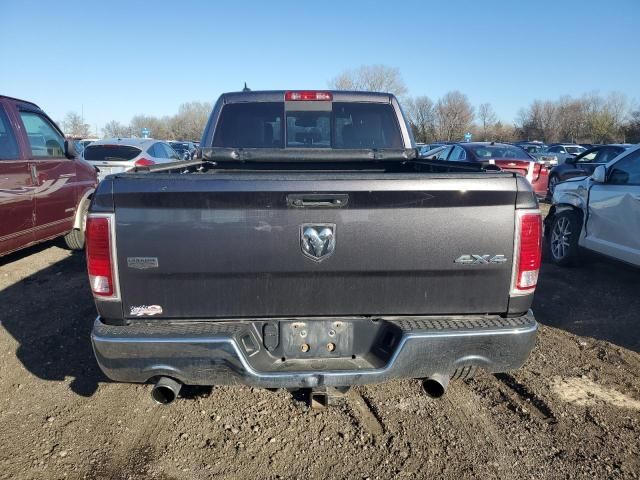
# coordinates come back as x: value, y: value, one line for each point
x: 44, y: 189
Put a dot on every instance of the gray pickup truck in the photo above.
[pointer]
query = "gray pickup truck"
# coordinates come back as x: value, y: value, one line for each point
x: 308, y: 247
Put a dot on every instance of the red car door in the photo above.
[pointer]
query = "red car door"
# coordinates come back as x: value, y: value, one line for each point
x: 53, y: 174
x: 16, y: 196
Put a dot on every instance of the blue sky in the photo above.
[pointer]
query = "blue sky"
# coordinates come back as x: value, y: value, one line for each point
x: 117, y: 59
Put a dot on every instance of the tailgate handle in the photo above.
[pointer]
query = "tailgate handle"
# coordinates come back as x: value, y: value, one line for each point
x: 317, y: 200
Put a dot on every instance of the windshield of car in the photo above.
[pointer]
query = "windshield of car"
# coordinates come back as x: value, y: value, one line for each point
x: 339, y: 125
x: 495, y: 152
x: 575, y: 150
x: 111, y: 153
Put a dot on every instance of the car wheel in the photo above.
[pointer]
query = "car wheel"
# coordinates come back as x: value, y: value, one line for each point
x: 75, y: 239
x: 563, y: 240
x: 553, y: 181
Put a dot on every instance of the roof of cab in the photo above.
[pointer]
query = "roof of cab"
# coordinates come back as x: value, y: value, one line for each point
x: 278, y: 96
x: 13, y: 99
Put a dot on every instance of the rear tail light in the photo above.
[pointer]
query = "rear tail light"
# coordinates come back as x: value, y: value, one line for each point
x: 308, y: 95
x: 527, y: 251
x: 537, y: 168
x: 144, y: 162
x: 100, y: 258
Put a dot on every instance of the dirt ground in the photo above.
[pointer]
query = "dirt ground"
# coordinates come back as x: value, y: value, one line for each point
x: 573, y: 411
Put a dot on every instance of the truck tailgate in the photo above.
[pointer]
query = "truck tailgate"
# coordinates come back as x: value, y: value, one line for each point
x: 238, y: 244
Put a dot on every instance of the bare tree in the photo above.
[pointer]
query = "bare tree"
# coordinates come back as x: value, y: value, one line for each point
x: 454, y: 115
x: 487, y: 118
x: 524, y: 126
x: 74, y: 126
x: 617, y: 105
x: 503, y: 133
x: 549, y: 121
x: 571, y: 118
x: 189, y: 122
x: 592, y: 118
x: 115, y: 129
x: 374, y: 78
x: 158, y: 127
x: 421, y: 112
x: 632, y: 128
x: 605, y: 116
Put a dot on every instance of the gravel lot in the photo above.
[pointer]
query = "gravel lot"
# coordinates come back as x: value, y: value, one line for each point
x: 573, y: 411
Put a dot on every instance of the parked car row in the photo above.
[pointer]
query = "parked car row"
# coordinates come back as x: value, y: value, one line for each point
x: 503, y: 155
x: 545, y: 166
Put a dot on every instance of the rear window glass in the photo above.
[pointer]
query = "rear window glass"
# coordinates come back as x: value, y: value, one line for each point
x: 495, y: 152
x: 111, y: 153
x: 365, y: 125
x: 309, y: 129
x: 346, y: 126
x: 250, y: 125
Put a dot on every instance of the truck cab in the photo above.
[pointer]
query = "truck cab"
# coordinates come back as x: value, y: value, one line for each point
x: 44, y: 190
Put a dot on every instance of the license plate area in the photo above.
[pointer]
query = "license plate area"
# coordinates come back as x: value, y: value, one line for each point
x: 317, y: 338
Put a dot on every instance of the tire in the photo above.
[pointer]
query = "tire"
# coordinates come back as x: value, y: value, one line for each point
x: 563, y: 239
x: 75, y: 238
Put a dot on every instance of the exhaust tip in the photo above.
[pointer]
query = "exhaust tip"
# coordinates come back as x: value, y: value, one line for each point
x: 436, y: 386
x: 165, y: 391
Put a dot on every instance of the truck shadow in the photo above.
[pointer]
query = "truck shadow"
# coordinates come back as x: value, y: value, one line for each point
x: 598, y: 299
x: 50, y: 314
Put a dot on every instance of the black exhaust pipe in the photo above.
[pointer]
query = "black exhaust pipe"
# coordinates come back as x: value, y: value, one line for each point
x: 165, y: 391
x: 435, y: 386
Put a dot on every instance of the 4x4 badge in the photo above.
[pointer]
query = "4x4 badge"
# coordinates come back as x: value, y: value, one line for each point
x: 472, y: 259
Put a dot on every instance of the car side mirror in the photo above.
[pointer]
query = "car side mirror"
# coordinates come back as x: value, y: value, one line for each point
x: 70, y: 150
x: 599, y: 175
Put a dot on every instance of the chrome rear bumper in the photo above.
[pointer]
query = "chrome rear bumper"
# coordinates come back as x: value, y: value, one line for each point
x: 370, y: 351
